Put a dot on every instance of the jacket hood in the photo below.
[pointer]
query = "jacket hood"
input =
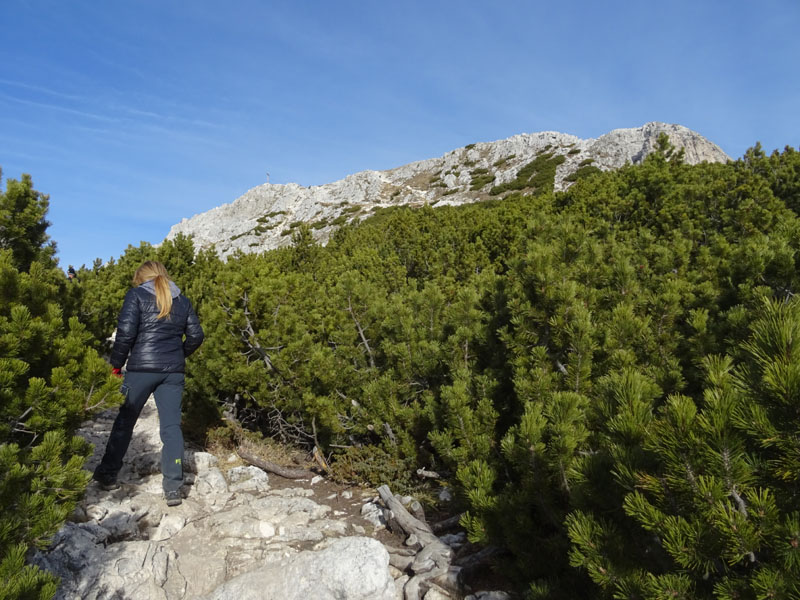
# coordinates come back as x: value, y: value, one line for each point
x: 150, y: 286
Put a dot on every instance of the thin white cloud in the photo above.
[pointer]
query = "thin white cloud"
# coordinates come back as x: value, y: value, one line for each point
x: 41, y: 89
x: 129, y: 127
x: 57, y: 108
x: 121, y: 111
x: 167, y: 117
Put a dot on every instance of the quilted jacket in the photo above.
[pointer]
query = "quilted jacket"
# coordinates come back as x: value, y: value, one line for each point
x: 152, y: 344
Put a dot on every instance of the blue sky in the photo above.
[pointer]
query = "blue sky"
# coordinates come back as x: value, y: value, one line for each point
x: 133, y: 115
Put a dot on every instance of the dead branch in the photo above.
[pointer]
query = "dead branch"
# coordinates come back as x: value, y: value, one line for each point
x: 271, y: 467
x: 429, y: 474
x: 360, y: 332
x: 390, y: 434
x: 320, y: 459
x: 280, y: 427
x: 248, y: 336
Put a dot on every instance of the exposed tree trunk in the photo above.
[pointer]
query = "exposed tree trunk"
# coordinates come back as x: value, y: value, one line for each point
x: 432, y: 562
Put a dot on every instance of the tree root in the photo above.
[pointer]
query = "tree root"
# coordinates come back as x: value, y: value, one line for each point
x: 431, y: 565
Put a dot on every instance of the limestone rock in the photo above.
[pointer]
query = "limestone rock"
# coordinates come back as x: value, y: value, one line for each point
x: 263, y: 217
x: 248, y: 479
x: 128, y: 543
x: 211, y: 481
x: 350, y: 568
x: 436, y: 594
x: 199, y: 462
x: 233, y: 536
x: 373, y: 513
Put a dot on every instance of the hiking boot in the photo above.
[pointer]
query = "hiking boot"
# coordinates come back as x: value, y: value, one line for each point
x: 173, y: 497
x: 105, y: 483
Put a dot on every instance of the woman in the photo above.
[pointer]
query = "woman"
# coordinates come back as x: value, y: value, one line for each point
x: 154, y: 319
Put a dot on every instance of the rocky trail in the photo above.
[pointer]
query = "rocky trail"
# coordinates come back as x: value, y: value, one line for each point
x: 239, y: 534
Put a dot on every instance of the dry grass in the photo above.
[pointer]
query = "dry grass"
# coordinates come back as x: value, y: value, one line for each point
x: 272, y: 451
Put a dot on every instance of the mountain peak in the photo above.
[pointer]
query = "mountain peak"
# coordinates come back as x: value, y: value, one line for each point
x: 264, y: 217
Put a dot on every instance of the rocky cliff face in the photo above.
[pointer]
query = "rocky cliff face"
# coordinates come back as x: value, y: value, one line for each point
x: 264, y: 217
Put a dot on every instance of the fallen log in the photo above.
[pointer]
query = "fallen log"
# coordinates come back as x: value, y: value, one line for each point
x: 271, y: 467
x: 432, y: 562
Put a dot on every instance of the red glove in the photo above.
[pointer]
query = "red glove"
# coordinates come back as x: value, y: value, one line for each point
x: 116, y: 371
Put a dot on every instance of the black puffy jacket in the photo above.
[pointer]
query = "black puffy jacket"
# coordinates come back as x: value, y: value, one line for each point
x: 152, y: 344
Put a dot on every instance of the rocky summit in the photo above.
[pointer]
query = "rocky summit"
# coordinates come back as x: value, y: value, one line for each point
x: 265, y: 216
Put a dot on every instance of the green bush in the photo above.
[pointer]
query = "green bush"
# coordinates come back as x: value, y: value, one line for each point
x: 480, y: 179
x: 581, y: 172
x: 270, y: 216
x: 500, y: 162
x: 606, y: 376
x: 537, y: 176
x: 51, y: 379
x: 372, y: 465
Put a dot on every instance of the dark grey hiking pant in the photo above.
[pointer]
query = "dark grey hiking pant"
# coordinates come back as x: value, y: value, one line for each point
x: 137, y: 387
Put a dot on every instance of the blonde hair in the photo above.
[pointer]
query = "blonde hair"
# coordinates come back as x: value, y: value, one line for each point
x: 152, y: 269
